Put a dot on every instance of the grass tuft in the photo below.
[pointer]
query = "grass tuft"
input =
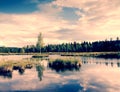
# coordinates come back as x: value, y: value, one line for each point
x: 62, y: 64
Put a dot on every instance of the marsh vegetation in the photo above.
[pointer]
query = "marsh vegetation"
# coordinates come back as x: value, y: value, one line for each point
x: 42, y: 55
x: 7, y: 67
x: 59, y: 73
x: 95, y: 54
x: 63, y: 64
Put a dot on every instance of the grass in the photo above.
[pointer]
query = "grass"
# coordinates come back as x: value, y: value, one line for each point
x: 6, y: 67
x: 15, y: 63
x: 23, y: 63
x: 110, y: 55
x: 40, y: 55
x: 63, y: 64
x: 94, y: 54
x: 23, y: 53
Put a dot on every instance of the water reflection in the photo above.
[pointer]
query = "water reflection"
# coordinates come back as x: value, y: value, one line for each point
x: 118, y: 64
x: 63, y: 69
x: 21, y: 71
x: 95, y: 75
x: 60, y: 67
x: 107, y: 62
x: 6, y: 71
x: 65, y: 64
x: 39, y: 69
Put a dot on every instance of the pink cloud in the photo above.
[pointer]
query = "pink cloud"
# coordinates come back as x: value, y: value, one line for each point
x: 98, y: 21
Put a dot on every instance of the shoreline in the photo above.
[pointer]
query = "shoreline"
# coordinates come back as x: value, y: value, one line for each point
x: 63, y: 53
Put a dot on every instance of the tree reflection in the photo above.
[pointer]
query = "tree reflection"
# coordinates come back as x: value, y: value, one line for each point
x: 107, y: 63
x: 112, y: 64
x: 84, y: 62
x: 118, y: 64
x: 40, y: 69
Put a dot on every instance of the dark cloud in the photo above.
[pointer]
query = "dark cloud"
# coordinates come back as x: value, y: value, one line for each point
x: 69, y: 14
x: 45, y: 1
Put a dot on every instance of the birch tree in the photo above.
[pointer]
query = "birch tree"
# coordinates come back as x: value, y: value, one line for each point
x: 40, y: 42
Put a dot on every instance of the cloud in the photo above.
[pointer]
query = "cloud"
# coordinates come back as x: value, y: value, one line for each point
x: 93, y: 20
x: 22, y: 29
x: 93, y: 10
x: 98, y: 18
x: 50, y: 10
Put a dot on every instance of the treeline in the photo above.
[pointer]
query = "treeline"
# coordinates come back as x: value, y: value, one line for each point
x: 11, y: 50
x: 98, y: 46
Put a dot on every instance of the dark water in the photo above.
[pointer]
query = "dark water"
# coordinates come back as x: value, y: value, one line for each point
x: 95, y: 75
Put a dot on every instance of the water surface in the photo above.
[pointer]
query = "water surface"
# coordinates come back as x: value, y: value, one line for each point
x: 95, y: 75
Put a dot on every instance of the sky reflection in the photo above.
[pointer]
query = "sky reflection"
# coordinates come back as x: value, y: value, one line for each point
x: 92, y: 77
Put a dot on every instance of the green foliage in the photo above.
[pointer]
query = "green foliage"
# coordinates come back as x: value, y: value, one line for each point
x: 10, y: 50
x: 63, y: 64
x: 40, y: 43
x: 98, y: 46
x: 22, y: 50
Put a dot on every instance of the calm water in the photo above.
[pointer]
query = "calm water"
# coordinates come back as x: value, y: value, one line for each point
x: 95, y: 75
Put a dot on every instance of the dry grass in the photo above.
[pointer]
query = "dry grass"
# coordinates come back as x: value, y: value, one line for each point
x: 22, y: 63
x: 67, y: 61
x: 88, y: 53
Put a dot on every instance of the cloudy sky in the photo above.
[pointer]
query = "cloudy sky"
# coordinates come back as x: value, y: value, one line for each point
x: 58, y: 20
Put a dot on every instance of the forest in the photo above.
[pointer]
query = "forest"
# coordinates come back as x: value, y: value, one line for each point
x: 97, y: 46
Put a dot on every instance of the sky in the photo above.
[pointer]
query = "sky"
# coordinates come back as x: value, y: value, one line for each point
x: 59, y: 21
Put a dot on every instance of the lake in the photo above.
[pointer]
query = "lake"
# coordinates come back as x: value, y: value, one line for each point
x: 95, y: 75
